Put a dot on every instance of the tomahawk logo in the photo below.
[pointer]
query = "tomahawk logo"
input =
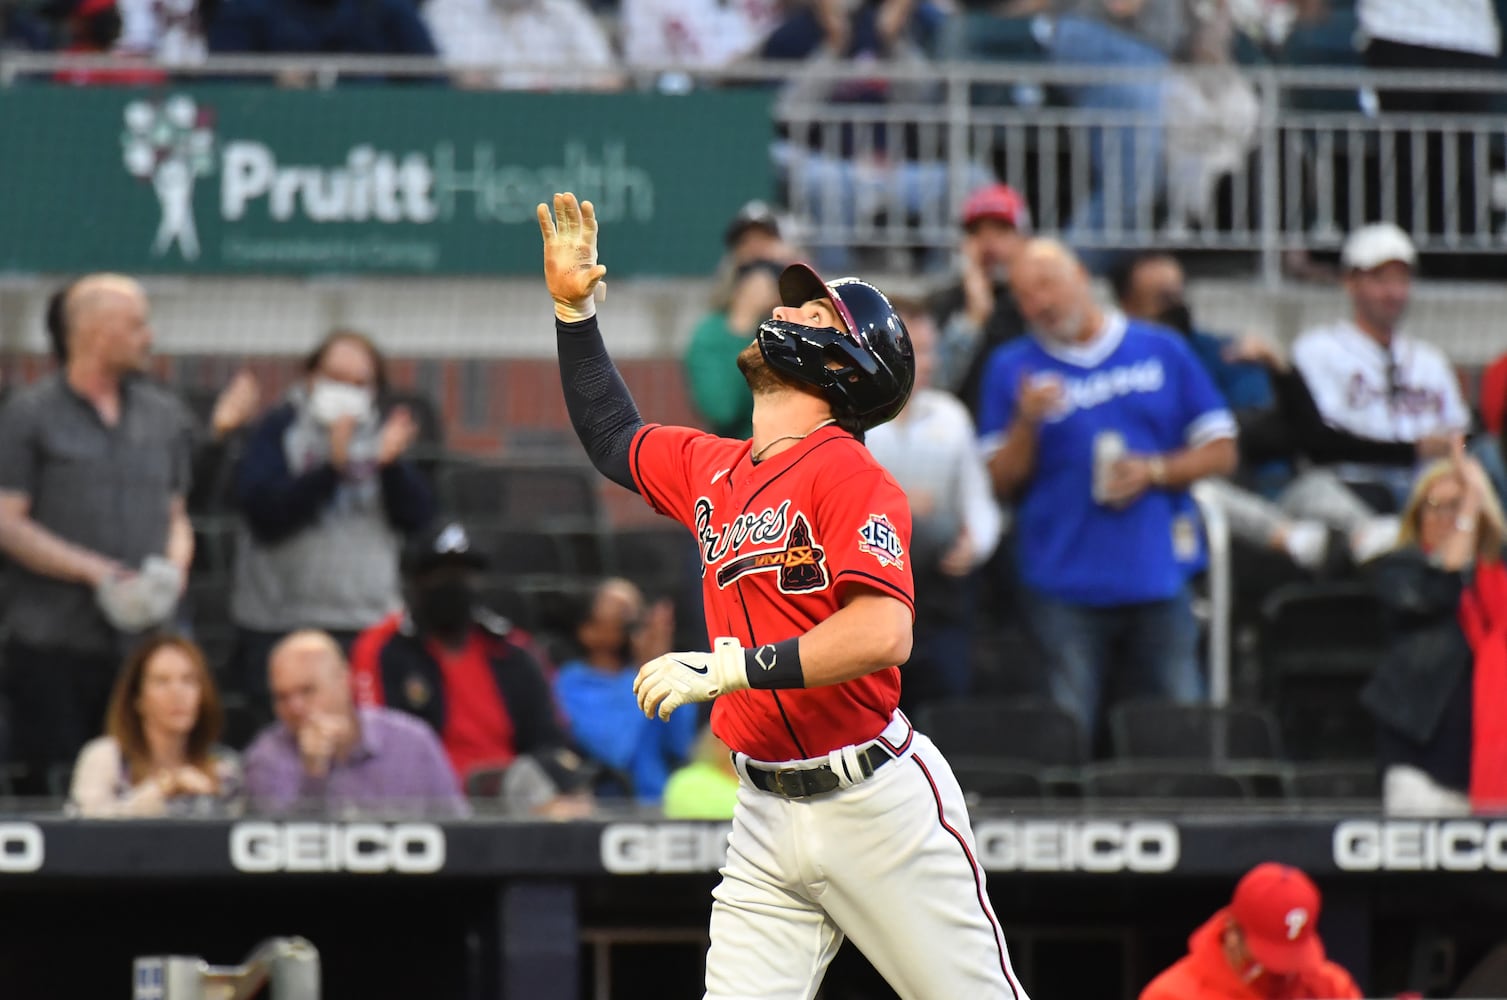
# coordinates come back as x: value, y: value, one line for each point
x: 170, y: 143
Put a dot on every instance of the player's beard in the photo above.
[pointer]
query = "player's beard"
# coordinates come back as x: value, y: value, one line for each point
x: 760, y: 377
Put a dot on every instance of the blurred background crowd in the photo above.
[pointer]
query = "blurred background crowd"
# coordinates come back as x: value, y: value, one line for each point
x: 224, y: 587
x: 225, y: 600
x: 1205, y: 457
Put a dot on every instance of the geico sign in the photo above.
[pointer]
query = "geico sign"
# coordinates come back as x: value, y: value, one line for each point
x: 648, y: 848
x: 1091, y: 846
x: 20, y: 848
x: 364, y: 848
x: 1455, y: 845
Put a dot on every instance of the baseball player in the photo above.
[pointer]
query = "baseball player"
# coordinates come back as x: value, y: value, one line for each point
x: 848, y: 822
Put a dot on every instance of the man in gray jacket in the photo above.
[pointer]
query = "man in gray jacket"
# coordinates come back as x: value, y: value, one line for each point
x: 326, y: 498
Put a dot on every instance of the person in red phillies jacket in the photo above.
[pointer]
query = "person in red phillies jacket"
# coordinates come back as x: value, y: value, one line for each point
x: 1263, y: 946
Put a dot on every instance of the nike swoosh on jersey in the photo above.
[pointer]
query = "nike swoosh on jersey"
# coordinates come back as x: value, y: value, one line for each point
x: 694, y: 670
x: 719, y: 475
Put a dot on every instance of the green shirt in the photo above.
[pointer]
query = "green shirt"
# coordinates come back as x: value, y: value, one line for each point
x: 718, y: 390
x: 700, y: 791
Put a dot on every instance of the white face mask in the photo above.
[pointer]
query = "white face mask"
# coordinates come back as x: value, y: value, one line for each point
x: 329, y: 401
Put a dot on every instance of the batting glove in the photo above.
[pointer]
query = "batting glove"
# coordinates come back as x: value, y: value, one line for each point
x: 570, y: 257
x: 675, y: 679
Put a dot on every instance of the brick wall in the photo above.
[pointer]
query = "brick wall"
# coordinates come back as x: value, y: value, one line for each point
x: 489, y: 408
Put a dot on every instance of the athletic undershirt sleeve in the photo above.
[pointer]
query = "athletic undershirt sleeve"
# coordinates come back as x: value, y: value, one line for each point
x: 601, y: 407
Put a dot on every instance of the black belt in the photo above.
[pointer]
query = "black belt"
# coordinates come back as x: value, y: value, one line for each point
x: 804, y: 782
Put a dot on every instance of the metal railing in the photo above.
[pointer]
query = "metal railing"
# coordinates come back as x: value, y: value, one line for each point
x: 1291, y: 160
x: 1221, y: 592
x: 288, y: 967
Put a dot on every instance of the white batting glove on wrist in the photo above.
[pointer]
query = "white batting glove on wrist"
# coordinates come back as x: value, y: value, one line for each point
x: 667, y: 682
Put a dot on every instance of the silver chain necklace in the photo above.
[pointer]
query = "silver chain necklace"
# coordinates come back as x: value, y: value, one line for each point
x: 791, y: 437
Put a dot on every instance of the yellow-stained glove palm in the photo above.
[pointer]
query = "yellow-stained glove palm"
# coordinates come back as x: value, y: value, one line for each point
x: 667, y: 682
x: 570, y: 257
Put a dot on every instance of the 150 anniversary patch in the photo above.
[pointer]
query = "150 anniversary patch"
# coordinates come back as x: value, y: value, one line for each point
x: 879, y: 539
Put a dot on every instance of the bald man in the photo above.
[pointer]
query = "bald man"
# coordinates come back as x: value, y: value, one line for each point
x: 94, y: 469
x: 325, y: 756
x: 1095, y: 427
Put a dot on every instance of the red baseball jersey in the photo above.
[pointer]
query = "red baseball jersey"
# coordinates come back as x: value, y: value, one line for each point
x: 780, y: 542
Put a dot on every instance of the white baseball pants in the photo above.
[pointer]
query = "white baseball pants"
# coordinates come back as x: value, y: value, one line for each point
x: 890, y: 862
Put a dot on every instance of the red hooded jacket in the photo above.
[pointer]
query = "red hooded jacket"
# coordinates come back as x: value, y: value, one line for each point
x: 1205, y: 974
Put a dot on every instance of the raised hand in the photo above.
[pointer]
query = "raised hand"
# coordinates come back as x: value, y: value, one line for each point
x: 236, y: 405
x: 398, y: 432
x: 571, y: 270
x: 1038, y: 396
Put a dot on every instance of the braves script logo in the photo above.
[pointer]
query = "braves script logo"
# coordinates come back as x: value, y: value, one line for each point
x: 879, y: 539
x: 170, y: 143
x: 784, y: 544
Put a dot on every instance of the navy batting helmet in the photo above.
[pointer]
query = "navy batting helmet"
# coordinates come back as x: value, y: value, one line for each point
x: 865, y: 371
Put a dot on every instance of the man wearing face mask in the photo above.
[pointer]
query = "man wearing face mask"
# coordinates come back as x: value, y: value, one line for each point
x: 1152, y: 287
x: 1263, y: 946
x: 465, y: 671
x: 326, y: 498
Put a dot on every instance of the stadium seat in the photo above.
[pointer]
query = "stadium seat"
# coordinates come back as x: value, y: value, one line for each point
x: 524, y: 554
x: 1334, y: 782
x: 993, y: 778
x: 214, y: 545
x: 200, y: 400
x: 207, y: 601
x: 522, y: 496
x: 512, y: 599
x: 1144, y: 780
x: 10, y: 775
x: 658, y: 559
x: 1012, y: 729
x: 1378, y: 496
x: 1318, y: 645
x: 241, y: 720
x: 485, y: 782
x: 1170, y: 731
x: 59, y: 780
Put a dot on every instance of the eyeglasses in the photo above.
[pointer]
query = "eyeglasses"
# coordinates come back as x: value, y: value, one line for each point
x: 1443, y: 508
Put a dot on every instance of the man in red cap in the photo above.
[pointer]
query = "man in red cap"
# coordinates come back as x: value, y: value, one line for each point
x: 978, y: 313
x: 1263, y: 946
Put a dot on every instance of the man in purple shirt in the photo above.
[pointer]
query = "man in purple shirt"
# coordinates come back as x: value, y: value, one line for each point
x: 328, y: 757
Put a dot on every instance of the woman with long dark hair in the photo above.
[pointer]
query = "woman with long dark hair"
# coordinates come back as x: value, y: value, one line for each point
x: 159, y: 754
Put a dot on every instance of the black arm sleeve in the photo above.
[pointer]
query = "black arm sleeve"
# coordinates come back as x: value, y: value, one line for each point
x: 1323, y: 443
x: 601, y: 407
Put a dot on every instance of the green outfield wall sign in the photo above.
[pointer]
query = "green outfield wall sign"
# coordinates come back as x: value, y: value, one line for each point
x: 412, y: 180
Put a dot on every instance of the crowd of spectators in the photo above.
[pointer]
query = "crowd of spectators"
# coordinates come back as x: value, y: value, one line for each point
x: 596, y: 40
x: 1079, y: 428
x: 1154, y: 146
x: 1049, y: 452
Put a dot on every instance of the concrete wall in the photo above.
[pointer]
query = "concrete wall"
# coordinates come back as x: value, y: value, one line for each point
x: 642, y: 319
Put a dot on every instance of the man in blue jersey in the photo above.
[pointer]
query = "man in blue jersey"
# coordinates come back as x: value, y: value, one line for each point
x: 1095, y: 426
